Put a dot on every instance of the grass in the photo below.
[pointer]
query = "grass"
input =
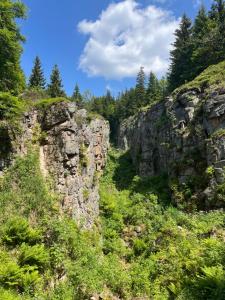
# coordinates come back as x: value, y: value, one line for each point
x: 211, y: 78
x: 45, y: 103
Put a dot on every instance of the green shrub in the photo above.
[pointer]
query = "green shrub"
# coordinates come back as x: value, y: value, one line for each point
x: 11, y: 107
x: 210, y: 284
x: 17, y: 231
x: 36, y: 256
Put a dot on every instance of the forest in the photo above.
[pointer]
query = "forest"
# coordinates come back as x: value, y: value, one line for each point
x: 142, y: 246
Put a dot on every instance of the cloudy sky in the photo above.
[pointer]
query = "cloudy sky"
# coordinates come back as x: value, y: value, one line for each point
x: 101, y: 44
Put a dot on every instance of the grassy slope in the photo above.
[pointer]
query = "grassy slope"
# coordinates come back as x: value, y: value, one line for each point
x: 211, y: 78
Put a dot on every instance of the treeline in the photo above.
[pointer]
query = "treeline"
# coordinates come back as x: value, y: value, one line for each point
x: 198, y: 45
x: 12, y: 78
x: 54, y: 89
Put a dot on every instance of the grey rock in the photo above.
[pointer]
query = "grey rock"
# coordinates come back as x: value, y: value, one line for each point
x: 73, y: 154
x: 179, y: 137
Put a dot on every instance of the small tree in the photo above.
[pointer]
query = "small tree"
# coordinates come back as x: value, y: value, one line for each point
x: 76, y: 97
x: 140, y: 88
x: 153, y: 93
x: 37, y: 79
x: 55, y: 88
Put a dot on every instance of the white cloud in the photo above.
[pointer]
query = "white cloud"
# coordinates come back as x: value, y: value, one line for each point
x: 125, y: 37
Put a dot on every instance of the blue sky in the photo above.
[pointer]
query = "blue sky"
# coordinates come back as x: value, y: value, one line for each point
x: 101, y: 44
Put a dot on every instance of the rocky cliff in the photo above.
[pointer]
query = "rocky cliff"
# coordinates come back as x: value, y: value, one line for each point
x: 73, y: 148
x: 184, y: 137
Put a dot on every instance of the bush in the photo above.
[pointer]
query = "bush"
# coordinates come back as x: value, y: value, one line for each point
x: 11, y: 107
x: 36, y: 256
x: 17, y: 231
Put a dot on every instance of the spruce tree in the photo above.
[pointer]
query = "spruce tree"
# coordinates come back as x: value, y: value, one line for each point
x: 163, y: 83
x: 217, y: 15
x: 140, y: 88
x: 181, y: 55
x: 12, y: 78
x: 153, y: 92
x: 37, y: 79
x: 201, y: 43
x: 55, y: 88
x: 76, y: 97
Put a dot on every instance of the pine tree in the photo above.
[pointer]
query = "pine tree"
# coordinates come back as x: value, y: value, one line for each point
x: 163, y: 83
x: 76, y: 97
x: 140, y: 88
x: 181, y: 55
x: 153, y: 93
x: 55, y: 88
x: 37, y: 79
x: 11, y: 76
x: 217, y: 15
x: 201, y: 42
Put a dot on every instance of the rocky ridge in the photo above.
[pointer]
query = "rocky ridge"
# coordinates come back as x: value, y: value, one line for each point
x: 184, y: 137
x: 73, y: 149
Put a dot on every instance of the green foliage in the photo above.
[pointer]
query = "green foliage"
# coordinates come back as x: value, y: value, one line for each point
x: 181, y: 55
x: 153, y: 92
x: 36, y: 256
x: 150, y: 237
x: 37, y: 79
x: 210, y: 283
x: 76, y: 97
x: 10, y: 107
x: 44, y: 104
x: 140, y: 88
x: 132, y: 254
x: 211, y: 78
x: 199, y: 46
x: 55, y: 88
x: 17, y: 231
x: 11, y: 76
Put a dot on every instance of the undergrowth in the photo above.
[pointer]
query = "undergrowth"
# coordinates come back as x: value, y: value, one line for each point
x: 141, y: 247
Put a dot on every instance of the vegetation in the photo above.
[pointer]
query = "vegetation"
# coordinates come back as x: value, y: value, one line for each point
x: 37, y: 79
x: 45, y: 103
x: 55, y: 88
x: 199, y: 45
x: 11, y: 76
x: 133, y: 255
x: 211, y: 78
x: 76, y: 97
x: 141, y: 247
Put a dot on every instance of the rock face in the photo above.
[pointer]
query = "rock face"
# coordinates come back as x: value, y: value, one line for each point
x: 73, y: 150
x: 184, y: 136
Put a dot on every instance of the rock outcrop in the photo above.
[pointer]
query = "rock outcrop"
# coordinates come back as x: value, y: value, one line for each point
x: 73, y: 149
x: 184, y: 136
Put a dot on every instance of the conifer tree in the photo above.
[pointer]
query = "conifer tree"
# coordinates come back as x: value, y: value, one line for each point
x: 55, y: 88
x: 37, y: 79
x: 76, y: 97
x: 153, y: 92
x: 140, y: 88
x: 163, y: 83
x: 11, y: 76
x: 217, y: 15
x: 200, y: 42
x: 181, y: 55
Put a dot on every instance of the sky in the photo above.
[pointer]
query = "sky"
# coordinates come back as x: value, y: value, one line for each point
x: 101, y: 44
